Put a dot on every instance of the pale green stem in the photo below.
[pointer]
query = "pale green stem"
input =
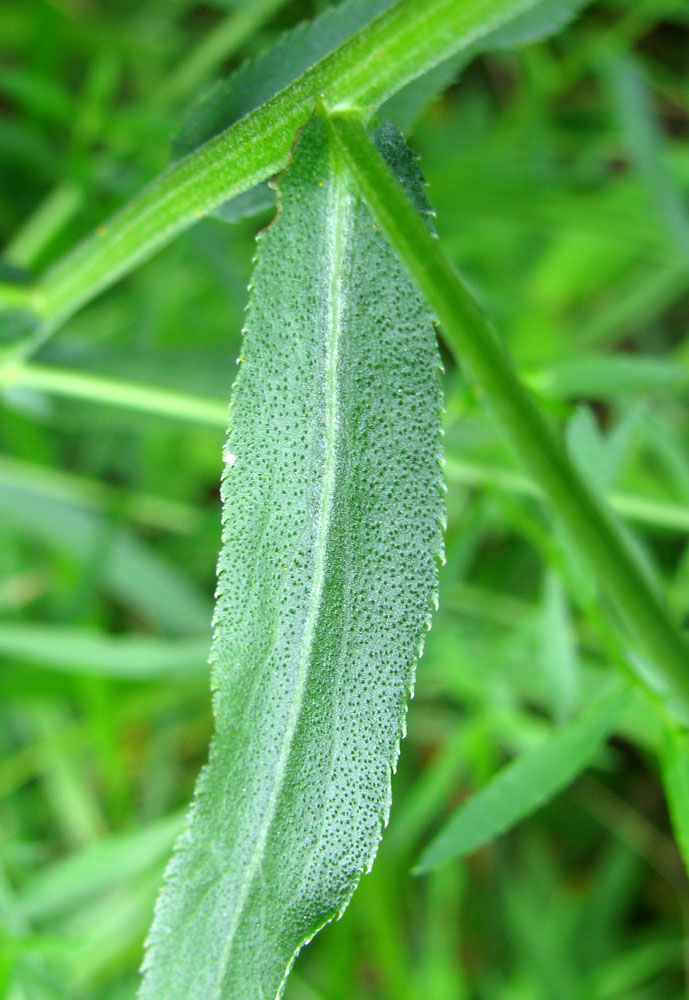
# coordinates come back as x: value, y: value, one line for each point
x: 474, y: 343
x: 643, y: 510
x: 152, y: 400
x: 400, y: 45
x: 113, y: 392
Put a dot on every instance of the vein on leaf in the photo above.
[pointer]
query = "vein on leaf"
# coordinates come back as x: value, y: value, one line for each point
x: 337, y: 221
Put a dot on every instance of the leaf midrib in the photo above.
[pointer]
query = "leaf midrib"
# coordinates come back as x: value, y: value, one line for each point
x: 337, y: 220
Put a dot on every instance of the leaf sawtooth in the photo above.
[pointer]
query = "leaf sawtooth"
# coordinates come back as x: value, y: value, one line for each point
x: 332, y: 532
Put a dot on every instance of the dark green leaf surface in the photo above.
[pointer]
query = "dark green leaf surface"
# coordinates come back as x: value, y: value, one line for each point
x: 332, y: 513
x: 524, y: 785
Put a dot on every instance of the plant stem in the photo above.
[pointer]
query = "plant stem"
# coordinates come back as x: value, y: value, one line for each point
x: 212, y: 413
x: 473, y: 342
x: 113, y: 392
x: 403, y: 43
x: 643, y: 510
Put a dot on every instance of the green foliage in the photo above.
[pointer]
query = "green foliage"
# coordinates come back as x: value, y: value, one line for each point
x: 301, y: 48
x: 532, y: 779
x: 664, y: 653
x: 675, y: 770
x: 559, y: 171
x: 332, y: 515
x: 273, y: 70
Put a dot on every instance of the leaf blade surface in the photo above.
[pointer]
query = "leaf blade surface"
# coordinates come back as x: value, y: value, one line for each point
x: 332, y: 528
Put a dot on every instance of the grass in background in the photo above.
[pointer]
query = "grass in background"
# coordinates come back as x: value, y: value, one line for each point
x: 560, y: 174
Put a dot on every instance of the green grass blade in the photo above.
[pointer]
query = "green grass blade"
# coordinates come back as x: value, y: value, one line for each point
x: 99, y: 868
x: 675, y: 774
x: 130, y: 569
x: 663, y: 664
x: 332, y: 529
x: 524, y: 785
x: 79, y: 650
x: 643, y: 137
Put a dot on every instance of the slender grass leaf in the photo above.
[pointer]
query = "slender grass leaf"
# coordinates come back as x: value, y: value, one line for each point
x: 87, y: 874
x: 524, y: 785
x: 18, y: 321
x: 558, y: 649
x: 128, y: 568
x: 136, y: 658
x: 596, y: 376
x: 675, y: 774
x: 332, y: 529
x: 17, y: 325
x: 643, y: 136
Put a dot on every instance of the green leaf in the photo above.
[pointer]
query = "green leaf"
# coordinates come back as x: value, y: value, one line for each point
x: 18, y: 320
x: 472, y: 341
x: 643, y: 136
x: 80, y: 650
x: 524, y: 785
x: 332, y: 514
x: 675, y: 774
x: 16, y: 326
x: 259, y: 79
x: 302, y: 47
x: 404, y: 42
x: 59, y: 516
x: 595, y: 376
x: 97, y: 869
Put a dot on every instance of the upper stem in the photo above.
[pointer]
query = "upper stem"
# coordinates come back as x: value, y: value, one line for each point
x: 472, y: 340
x: 401, y: 44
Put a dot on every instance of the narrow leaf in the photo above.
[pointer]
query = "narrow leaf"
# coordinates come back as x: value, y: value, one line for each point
x: 128, y: 567
x: 675, y: 775
x: 524, y: 785
x: 135, y: 658
x: 97, y: 869
x: 332, y: 514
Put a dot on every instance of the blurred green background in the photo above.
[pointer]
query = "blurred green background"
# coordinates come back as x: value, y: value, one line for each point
x: 560, y: 174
